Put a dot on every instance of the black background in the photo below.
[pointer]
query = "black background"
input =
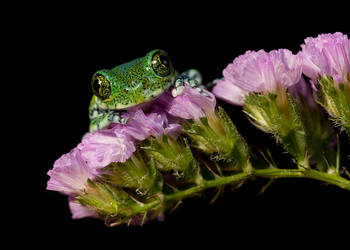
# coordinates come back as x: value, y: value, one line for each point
x: 64, y: 46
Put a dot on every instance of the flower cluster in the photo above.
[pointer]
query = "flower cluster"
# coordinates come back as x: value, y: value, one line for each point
x: 98, y: 149
x: 179, y: 146
x: 262, y: 79
x: 325, y: 55
x: 276, y: 97
x: 134, y: 155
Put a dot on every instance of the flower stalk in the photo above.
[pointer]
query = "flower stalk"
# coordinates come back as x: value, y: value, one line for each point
x: 118, y: 206
x: 271, y: 173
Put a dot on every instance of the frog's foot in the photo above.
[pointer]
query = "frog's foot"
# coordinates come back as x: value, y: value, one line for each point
x: 191, y: 78
x: 101, y: 119
x: 118, y: 117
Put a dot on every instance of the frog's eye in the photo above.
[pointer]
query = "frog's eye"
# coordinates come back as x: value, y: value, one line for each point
x: 101, y: 87
x: 161, y: 64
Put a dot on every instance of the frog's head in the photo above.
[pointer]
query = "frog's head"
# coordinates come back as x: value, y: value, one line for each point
x: 135, y: 82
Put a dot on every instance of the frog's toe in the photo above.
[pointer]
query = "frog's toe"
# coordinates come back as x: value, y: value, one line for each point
x: 194, y: 75
x: 177, y: 91
x: 191, y: 78
x: 179, y: 82
x: 124, y: 120
x: 118, y: 117
x: 193, y: 83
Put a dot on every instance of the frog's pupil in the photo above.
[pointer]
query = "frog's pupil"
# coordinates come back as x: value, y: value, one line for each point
x: 96, y: 85
x: 160, y: 64
x: 101, y: 87
x: 163, y: 59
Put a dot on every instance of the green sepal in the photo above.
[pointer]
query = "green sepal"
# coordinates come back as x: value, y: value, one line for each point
x: 198, y: 136
x: 216, y: 136
x: 279, y: 114
x: 335, y: 98
x: 238, y: 151
x: 259, y: 110
x: 137, y: 173
x: 319, y: 135
x: 294, y: 138
x: 170, y: 155
x: 106, y: 199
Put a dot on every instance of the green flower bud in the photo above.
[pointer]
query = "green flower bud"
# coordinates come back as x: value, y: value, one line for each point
x: 319, y: 134
x: 106, y: 200
x: 216, y: 135
x: 134, y: 174
x: 172, y: 155
x: 335, y: 98
x: 279, y: 114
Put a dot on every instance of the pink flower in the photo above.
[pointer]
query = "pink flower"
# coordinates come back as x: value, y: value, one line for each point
x: 258, y: 72
x: 327, y: 54
x: 142, y: 126
x: 191, y: 104
x: 79, y: 211
x: 102, y: 147
x: 261, y: 71
x: 117, y: 143
x: 69, y: 174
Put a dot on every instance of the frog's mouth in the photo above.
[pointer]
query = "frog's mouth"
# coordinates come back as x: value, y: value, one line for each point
x: 157, y: 93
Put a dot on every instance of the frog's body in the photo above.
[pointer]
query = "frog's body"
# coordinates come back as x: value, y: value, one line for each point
x: 129, y: 85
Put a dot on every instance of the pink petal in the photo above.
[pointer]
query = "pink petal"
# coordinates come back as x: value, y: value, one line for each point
x: 79, y: 211
x: 229, y: 92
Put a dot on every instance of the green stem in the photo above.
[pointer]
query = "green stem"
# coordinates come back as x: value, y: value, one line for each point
x: 266, y: 173
x: 329, y: 178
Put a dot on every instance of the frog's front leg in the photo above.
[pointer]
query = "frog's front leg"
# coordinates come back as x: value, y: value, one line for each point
x: 100, y: 119
x: 192, y: 78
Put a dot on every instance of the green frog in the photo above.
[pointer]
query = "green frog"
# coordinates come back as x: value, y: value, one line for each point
x: 134, y: 84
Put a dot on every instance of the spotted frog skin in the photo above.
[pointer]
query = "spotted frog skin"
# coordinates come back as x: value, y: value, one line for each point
x: 132, y: 84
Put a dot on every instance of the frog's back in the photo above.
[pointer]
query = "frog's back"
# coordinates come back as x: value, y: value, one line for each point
x: 129, y: 74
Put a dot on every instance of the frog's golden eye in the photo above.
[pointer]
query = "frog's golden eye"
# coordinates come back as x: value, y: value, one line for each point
x: 101, y: 87
x: 161, y: 64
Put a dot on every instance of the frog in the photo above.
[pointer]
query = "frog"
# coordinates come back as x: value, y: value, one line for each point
x: 134, y: 84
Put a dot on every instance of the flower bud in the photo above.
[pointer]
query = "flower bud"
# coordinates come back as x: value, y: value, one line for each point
x: 335, y: 98
x: 172, y: 155
x: 215, y: 135
x: 106, y: 200
x: 135, y: 174
x: 277, y: 113
x: 321, y: 139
